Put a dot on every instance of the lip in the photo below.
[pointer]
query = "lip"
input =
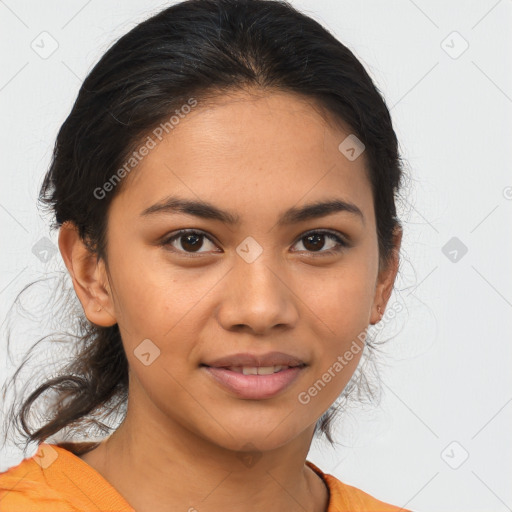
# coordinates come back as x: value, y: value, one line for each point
x: 252, y: 359
x: 255, y: 387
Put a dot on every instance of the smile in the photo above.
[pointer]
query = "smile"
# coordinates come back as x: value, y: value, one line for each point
x: 256, y: 383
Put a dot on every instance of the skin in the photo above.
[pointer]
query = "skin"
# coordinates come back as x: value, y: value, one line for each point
x: 255, y: 154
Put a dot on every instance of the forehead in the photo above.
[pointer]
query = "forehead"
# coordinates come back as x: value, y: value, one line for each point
x: 248, y: 148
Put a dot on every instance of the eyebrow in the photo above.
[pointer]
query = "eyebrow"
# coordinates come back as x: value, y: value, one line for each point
x: 293, y: 215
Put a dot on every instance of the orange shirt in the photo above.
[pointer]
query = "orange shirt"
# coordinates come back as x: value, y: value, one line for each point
x: 57, y: 480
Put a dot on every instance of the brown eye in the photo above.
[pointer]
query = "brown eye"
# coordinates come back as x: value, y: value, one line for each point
x: 191, y: 242
x: 315, y: 241
x: 187, y: 241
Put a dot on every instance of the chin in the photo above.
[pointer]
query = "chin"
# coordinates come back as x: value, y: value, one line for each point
x: 258, y: 436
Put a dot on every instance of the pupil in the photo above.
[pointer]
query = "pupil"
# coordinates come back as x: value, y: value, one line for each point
x: 316, y: 245
x: 193, y: 245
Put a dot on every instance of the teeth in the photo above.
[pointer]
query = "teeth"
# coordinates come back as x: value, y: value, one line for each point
x: 254, y: 370
x: 266, y: 370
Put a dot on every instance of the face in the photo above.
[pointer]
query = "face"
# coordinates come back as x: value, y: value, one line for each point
x: 257, y: 279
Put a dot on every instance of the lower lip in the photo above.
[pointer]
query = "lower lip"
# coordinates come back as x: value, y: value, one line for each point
x: 255, y: 387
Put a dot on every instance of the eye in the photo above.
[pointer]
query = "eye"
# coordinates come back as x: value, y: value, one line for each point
x: 189, y: 240
x: 316, y: 240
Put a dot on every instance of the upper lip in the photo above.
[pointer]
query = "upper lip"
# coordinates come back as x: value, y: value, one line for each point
x: 256, y: 360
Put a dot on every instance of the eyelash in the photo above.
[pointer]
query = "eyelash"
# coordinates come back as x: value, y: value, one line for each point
x: 342, y: 244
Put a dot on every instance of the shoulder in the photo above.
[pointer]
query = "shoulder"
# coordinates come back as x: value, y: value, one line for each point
x: 347, y: 498
x: 24, y: 488
x: 55, y: 479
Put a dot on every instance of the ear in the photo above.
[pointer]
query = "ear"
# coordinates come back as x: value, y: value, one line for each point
x: 386, y: 279
x: 89, y: 276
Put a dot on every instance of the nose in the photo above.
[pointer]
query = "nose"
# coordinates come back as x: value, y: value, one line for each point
x: 257, y: 298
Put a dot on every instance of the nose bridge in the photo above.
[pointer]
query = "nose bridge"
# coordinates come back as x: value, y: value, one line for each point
x: 257, y: 296
x: 255, y: 269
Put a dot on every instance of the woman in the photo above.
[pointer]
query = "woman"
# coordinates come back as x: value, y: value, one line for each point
x: 224, y: 189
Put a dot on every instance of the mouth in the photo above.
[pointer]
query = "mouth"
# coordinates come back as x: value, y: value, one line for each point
x: 254, y: 382
x: 249, y: 360
x: 257, y: 370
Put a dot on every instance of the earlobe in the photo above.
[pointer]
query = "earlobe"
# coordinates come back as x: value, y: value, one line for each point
x: 88, y: 276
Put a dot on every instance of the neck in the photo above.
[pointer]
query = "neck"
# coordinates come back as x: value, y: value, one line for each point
x: 163, y: 470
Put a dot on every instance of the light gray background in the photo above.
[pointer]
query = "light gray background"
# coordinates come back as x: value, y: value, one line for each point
x: 447, y: 374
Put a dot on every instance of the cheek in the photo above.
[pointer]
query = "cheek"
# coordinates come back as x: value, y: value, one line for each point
x: 348, y: 316
x: 165, y: 305
x: 343, y: 298
x: 340, y: 314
